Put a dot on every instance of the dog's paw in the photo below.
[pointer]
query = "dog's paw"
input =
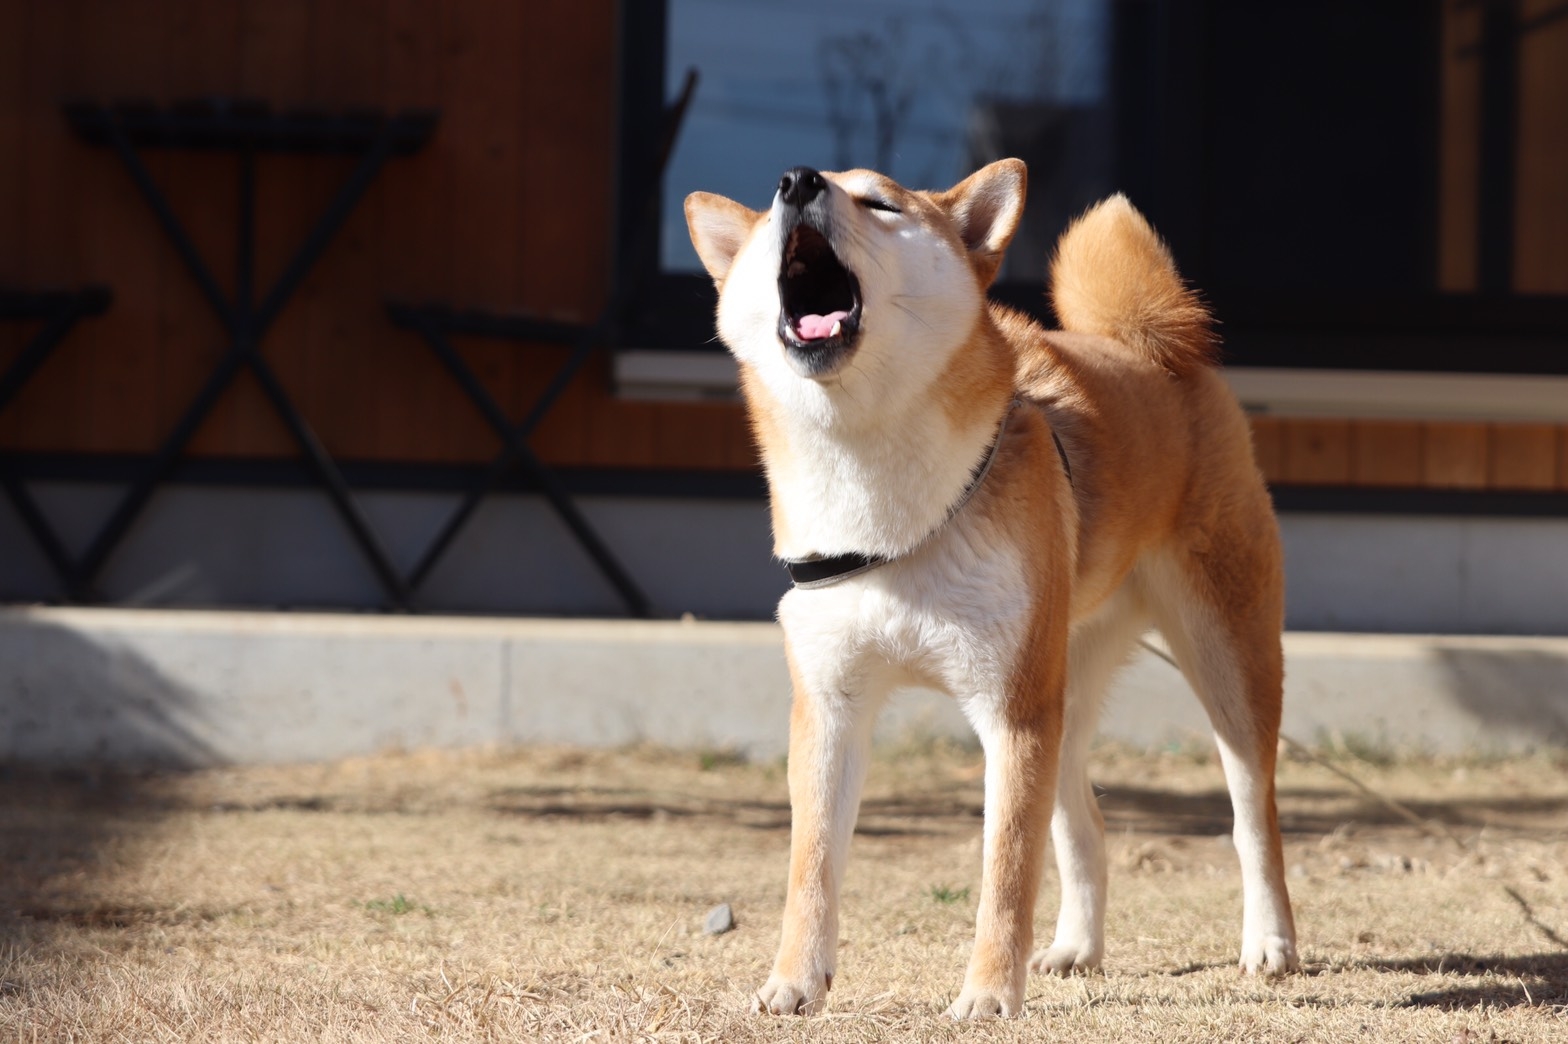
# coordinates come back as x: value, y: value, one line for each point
x: 1065, y: 958
x: 1269, y: 955
x: 785, y: 996
x: 983, y: 1004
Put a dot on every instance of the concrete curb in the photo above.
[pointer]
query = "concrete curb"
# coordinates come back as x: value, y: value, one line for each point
x: 188, y: 688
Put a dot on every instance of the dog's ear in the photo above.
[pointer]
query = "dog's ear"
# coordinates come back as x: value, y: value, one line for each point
x: 985, y: 208
x: 718, y: 228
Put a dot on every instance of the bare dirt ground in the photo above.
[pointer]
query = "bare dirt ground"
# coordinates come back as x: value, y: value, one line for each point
x: 560, y: 895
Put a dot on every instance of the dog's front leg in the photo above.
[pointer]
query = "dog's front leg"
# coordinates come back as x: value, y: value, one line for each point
x: 1021, y: 753
x: 829, y: 745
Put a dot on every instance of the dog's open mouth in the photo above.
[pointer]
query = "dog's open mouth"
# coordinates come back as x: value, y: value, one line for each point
x: 819, y: 303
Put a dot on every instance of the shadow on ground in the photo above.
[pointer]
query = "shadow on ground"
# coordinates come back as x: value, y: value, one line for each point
x: 67, y: 706
x: 1502, y: 980
x: 1505, y: 980
x: 63, y: 835
x: 1303, y: 811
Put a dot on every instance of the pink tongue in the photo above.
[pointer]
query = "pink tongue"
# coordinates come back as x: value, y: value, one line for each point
x: 817, y: 327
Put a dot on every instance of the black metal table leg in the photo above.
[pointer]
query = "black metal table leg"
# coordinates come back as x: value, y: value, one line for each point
x: 246, y: 325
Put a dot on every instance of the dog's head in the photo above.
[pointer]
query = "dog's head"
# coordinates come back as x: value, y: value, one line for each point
x: 853, y: 272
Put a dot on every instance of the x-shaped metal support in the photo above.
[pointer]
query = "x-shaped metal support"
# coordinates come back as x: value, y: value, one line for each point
x: 59, y: 312
x: 244, y: 319
x: 435, y: 323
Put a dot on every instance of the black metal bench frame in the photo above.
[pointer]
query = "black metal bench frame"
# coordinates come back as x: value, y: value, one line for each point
x: 437, y: 324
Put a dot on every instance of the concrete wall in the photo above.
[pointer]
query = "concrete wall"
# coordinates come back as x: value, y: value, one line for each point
x: 206, y: 546
x: 193, y: 688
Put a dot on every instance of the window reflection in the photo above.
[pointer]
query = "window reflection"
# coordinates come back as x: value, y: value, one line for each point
x: 924, y: 92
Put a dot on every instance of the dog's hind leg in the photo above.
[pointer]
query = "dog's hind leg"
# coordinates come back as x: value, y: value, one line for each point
x: 1096, y: 650
x: 1221, y: 613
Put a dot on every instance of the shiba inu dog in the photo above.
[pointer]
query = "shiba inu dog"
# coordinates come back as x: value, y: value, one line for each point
x: 973, y: 503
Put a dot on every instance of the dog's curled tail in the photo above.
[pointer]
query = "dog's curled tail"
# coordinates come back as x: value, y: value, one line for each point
x: 1112, y: 275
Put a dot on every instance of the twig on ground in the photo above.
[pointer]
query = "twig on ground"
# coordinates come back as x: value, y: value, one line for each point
x: 1430, y: 827
x: 1534, y: 921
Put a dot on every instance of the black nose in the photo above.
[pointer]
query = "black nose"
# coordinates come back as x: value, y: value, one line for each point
x: 800, y: 185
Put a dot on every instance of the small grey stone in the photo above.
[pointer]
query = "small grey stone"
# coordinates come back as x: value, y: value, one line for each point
x: 720, y: 919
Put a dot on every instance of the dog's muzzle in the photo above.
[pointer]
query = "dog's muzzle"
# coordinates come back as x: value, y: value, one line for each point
x: 819, y: 297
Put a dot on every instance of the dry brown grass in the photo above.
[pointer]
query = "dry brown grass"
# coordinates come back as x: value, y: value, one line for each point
x: 559, y: 895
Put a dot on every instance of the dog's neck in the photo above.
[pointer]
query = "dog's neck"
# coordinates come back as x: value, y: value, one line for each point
x: 863, y: 475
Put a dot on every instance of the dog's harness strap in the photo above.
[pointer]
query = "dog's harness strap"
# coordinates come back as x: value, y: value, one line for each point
x: 825, y: 572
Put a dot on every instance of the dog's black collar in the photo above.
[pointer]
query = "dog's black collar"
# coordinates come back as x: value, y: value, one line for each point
x: 819, y: 571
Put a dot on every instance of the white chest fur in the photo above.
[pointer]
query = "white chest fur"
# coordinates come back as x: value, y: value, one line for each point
x: 951, y: 616
x: 880, y: 492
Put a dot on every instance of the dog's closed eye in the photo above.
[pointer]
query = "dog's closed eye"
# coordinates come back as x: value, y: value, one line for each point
x: 875, y: 203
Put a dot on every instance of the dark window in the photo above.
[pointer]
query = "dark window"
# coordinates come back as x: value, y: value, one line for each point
x: 1353, y: 185
x: 923, y: 92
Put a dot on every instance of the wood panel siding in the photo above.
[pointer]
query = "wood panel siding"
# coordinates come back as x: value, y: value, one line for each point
x: 509, y: 208
x: 1316, y: 453
x: 1454, y: 456
x: 1411, y: 454
x: 1522, y: 456
x: 1385, y: 453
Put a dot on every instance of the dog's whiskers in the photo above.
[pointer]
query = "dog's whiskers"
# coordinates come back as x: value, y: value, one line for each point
x: 912, y: 314
x: 858, y: 240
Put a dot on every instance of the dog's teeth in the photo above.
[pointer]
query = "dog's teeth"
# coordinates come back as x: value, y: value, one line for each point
x: 838, y: 327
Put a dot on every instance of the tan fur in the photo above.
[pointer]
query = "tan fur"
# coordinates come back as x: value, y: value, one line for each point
x: 1113, y: 276
x: 1165, y: 522
x: 978, y: 378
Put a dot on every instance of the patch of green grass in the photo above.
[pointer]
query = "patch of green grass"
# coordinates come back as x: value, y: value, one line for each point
x: 948, y: 896
x: 1356, y: 746
x: 723, y: 757
x: 1194, y: 749
x: 397, y: 906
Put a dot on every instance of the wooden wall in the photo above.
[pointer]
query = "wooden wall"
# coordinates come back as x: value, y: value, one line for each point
x: 1411, y: 454
x: 509, y: 208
